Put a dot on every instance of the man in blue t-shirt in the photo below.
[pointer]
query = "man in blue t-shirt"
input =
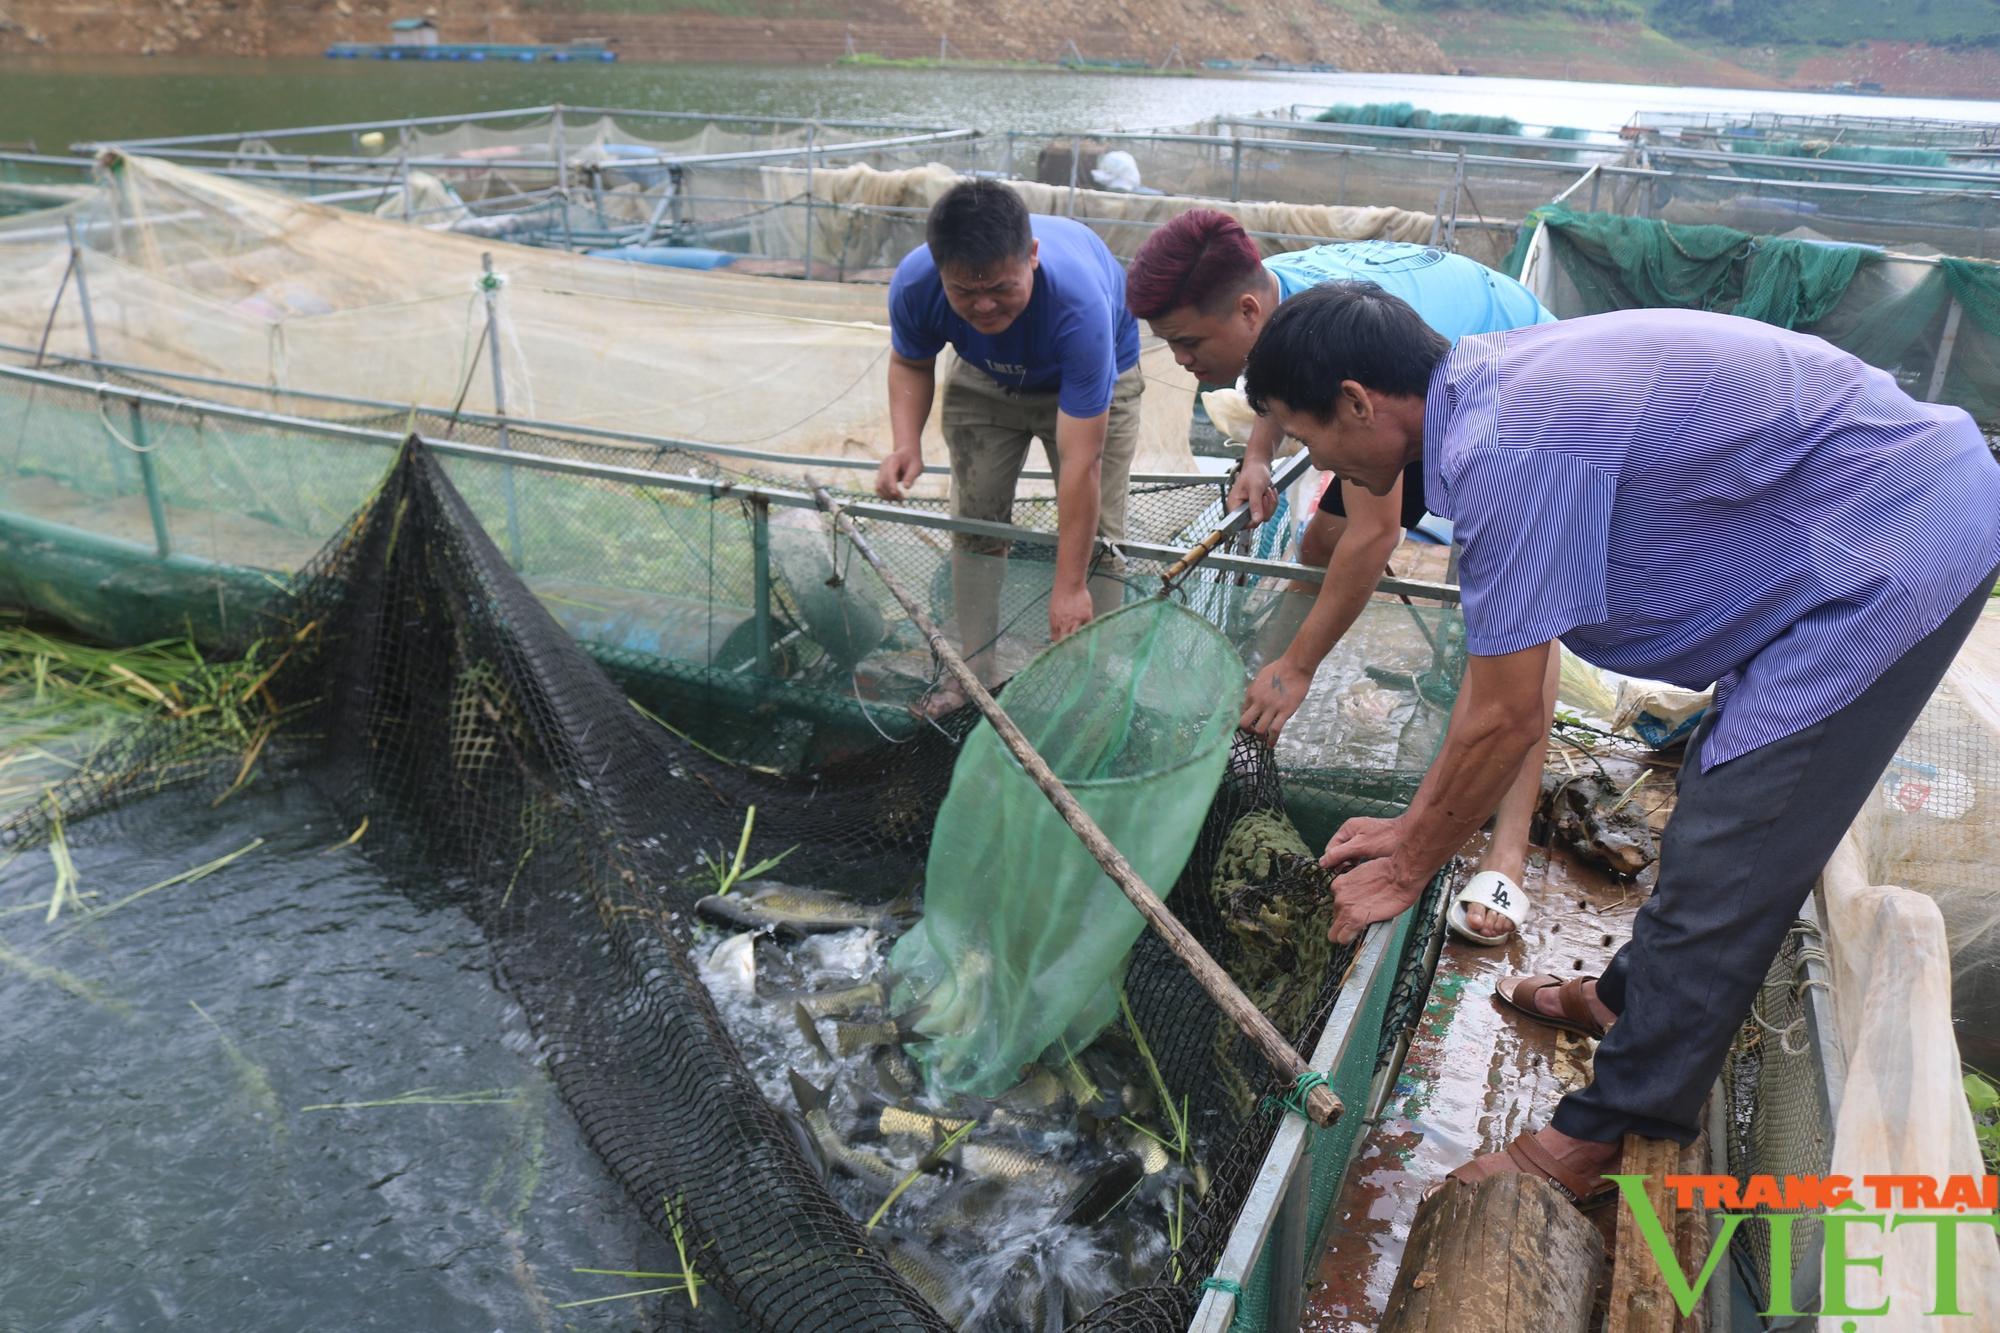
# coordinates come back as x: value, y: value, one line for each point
x: 1199, y: 283
x: 1035, y: 309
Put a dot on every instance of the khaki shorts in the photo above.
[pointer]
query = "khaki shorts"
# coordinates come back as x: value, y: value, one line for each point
x: 987, y: 429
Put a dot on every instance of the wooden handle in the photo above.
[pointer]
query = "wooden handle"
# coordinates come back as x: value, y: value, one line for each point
x: 1322, y: 1106
x: 1287, y: 472
x: 1197, y: 554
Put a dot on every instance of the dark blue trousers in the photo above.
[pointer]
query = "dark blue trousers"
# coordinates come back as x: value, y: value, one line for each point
x: 1741, y: 851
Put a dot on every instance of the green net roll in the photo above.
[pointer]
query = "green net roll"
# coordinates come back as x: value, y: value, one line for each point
x: 1024, y: 938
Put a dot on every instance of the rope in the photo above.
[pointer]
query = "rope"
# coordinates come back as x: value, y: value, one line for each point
x: 1228, y: 1286
x: 104, y: 418
x: 1295, y: 1100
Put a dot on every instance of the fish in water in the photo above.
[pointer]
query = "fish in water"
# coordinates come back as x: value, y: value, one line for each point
x: 853, y: 1038
x: 1152, y: 1154
x: 1038, y: 1091
x: 843, y: 1002
x: 891, y: 1121
x: 933, y: 1279
x: 735, y: 961
x: 969, y: 1205
x: 893, y: 1070
x: 834, y: 1150
x: 769, y: 905
x: 1031, y: 1300
x: 1005, y: 1161
x: 1091, y: 1099
x: 810, y: 1031
x: 1098, y: 1196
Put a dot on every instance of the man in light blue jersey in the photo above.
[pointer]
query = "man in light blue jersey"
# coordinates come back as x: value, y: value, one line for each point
x: 1035, y: 308
x: 1683, y: 496
x: 1200, y: 285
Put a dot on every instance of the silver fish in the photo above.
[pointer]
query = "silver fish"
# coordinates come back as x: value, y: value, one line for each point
x: 853, y: 1038
x: 769, y: 905
x: 1091, y: 1098
x: 934, y: 1281
x: 893, y: 1070
x: 810, y: 1031
x: 845, y: 1002
x: 1099, y: 1196
x: 968, y: 1205
x: 1152, y: 1154
x: 837, y: 1152
x: 1004, y: 1161
x: 892, y: 1121
x: 1038, y: 1090
x: 735, y: 961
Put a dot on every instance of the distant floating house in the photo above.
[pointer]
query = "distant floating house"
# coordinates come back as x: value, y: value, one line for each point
x: 413, y: 32
x: 417, y: 39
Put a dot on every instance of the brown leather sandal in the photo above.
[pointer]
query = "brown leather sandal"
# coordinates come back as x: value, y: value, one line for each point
x: 1528, y: 1157
x: 1518, y: 994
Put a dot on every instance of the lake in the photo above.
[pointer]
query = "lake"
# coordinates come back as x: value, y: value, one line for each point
x: 52, y: 102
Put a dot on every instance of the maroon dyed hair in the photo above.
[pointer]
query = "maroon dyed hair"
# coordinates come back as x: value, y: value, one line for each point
x: 1200, y: 258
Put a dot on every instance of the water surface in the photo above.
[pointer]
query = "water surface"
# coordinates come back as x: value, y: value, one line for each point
x: 159, y: 1162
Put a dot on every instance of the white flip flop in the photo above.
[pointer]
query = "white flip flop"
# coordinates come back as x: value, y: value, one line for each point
x: 1496, y: 893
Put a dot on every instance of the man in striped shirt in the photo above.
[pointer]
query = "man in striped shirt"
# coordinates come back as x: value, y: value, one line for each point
x: 1679, y: 495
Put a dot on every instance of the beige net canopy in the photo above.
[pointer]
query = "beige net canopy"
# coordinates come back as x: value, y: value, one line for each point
x: 190, y: 272
x: 874, y: 217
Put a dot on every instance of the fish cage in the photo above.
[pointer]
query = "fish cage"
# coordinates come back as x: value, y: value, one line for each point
x: 1930, y: 320
x: 1886, y: 991
x: 713, y: 596
x: 846, y: 199
x: 1970, y: 137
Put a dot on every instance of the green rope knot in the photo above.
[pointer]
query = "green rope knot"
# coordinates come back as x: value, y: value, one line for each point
x: 1295, y: 1100
x: 1226, y: 1285
x: 489, y: 282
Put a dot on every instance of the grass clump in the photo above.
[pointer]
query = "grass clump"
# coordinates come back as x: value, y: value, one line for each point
x: 1984, y: 1098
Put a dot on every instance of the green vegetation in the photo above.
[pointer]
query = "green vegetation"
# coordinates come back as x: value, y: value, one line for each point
x: 1831, y: 22
x: 1984, y: 1099
x: 725, y: 872
x: 1554, y: 43
x: 1603, y: 10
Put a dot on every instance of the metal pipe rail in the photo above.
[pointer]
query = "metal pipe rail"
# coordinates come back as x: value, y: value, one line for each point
x: 913, y: 213
x: 1308, y: 146
x: 1988, y: 179
x: 396, y: 162
x: 551, y: 110
x: 660, y: 443
x: 1836, y: 187
x: 1332, y: 127
x: 688, y: 485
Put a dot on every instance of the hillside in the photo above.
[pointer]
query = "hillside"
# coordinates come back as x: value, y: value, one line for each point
x: 1934, y: 47
x: 1945, y: 48
x: 1354, y: 34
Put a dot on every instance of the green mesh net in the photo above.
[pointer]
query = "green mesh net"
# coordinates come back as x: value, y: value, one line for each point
x: 1618, y: 263
x: 1933, y: 323
x: 1403, y: 115
x: 1024, y: 938
x: 1822, y: 151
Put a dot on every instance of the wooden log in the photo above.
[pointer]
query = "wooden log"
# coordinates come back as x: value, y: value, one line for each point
x: 1640, y: 1301
x: 1508, y: 1253
x: 1322, y: 1106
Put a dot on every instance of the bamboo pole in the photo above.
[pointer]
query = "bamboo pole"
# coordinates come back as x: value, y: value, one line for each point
x: 1232, y: 522
x: 1322, y: 1106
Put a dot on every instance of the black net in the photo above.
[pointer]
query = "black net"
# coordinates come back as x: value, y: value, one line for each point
x: 419, y: 682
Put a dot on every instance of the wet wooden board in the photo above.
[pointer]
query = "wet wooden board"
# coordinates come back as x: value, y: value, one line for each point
x: 1474, y: 1079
